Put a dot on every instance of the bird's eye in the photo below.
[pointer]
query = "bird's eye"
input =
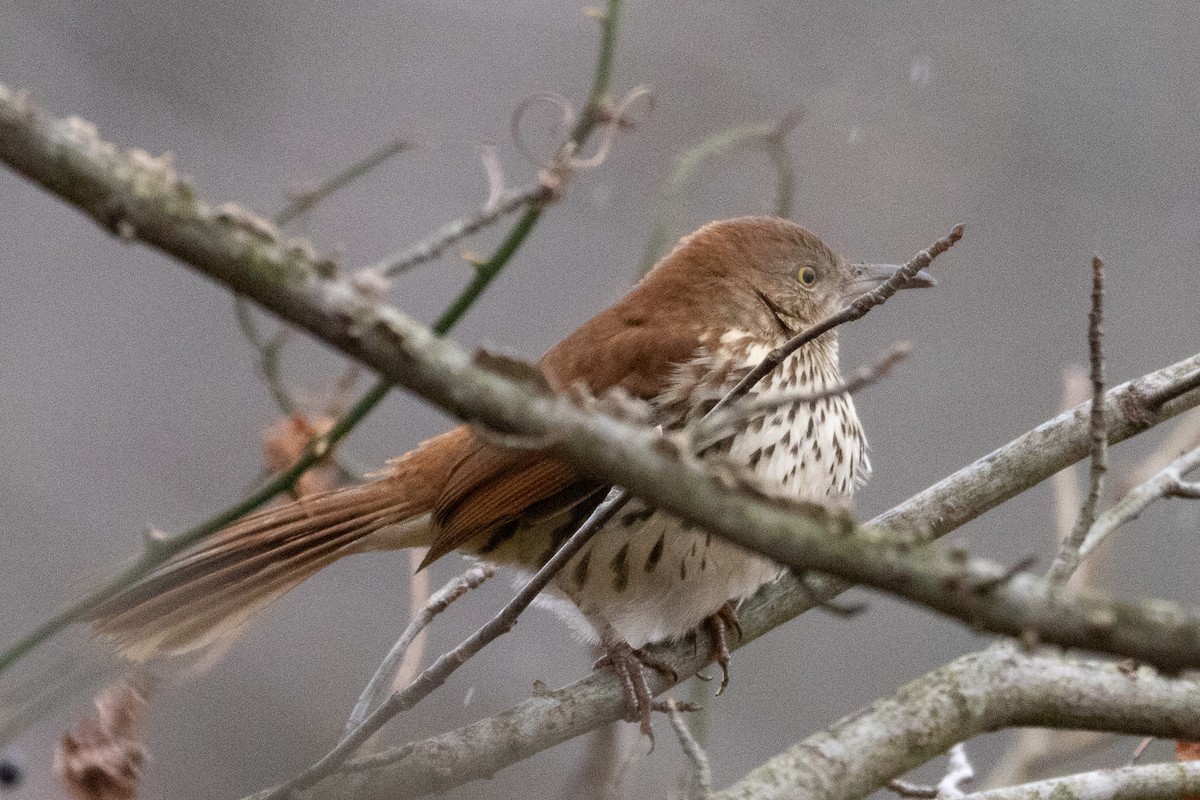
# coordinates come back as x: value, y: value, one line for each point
x: 807, y: 276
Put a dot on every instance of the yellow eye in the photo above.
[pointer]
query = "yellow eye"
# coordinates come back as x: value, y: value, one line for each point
x: 807, y: 276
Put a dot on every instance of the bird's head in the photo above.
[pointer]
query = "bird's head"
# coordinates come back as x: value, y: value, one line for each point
x: 772, y: 274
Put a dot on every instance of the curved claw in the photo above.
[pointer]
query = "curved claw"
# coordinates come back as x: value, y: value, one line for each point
x: 719, y: 625
x: 629, y: 664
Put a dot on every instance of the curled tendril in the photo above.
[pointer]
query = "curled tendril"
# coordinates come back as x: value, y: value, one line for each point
x: 616, y: 119
x: 566, y: 120
x: 555, y: 172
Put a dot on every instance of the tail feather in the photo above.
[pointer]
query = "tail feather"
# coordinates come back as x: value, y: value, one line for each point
x: 211, y: 593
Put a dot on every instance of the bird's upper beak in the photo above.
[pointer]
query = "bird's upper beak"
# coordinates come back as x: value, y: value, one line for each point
x: 866, y: 277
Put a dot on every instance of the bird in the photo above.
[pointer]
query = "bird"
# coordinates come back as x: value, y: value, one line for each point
x: 705, y: 315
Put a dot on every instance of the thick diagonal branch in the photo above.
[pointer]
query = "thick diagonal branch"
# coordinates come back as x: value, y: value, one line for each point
x: 139, y: 197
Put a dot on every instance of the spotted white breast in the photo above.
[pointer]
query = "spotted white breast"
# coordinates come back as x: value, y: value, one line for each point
x: 648, y: 575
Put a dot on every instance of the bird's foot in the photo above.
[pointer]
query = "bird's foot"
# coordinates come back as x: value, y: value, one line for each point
x: 719, y: 626
x: 630, y: 663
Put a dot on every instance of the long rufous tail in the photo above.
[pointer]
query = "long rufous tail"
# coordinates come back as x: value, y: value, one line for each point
x: 210, y: 593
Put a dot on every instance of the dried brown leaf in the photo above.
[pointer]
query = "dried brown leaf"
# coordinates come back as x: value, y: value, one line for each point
x: 102, y: 758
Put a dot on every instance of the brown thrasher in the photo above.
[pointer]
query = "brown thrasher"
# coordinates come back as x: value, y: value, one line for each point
x: 706, y: 314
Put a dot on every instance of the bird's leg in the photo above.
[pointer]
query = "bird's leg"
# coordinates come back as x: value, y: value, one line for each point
x: 628, y: 662
x: 719, y: 625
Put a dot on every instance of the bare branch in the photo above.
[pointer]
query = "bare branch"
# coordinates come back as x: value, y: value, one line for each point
x: 1068, y: 558
x: 699, y: 782
x: 996, y: 688
x: 1167, y: 483
x: 1169, y: 781
x: 439, y: 602
x: 306, y: 200
x: 444, y: 237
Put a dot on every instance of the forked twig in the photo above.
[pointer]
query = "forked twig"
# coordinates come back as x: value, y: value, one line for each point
x: 1166, y: 483
x: 384, y: 676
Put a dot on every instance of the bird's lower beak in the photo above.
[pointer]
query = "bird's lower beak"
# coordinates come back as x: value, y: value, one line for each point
x: 868, y: 276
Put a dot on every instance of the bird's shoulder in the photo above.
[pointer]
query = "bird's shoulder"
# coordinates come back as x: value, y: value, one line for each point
x: 627, y: 347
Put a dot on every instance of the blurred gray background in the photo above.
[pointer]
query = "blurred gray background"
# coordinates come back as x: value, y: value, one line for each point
x: 1053, y: 130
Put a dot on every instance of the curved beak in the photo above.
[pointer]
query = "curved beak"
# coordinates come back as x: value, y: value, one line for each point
x: 866, y: 277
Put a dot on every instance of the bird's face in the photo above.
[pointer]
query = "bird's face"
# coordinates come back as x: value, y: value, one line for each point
x: 800, y: 281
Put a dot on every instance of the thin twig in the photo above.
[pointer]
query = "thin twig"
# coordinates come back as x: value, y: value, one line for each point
x: 855, y: 310
x: 718, y: 424
x: 1068, y: 558
x: 1167, y: 483
x: 268, y: 354
x: 959, y: 774
x: 382, y: 680
x: 268, y: 349
x: 440, y: 240
x: 699, y: 782
x: 1065, y: 484
x: 304, y: 201
x: 1140, y: 750
x: 438, y: 672
x: 549, y: 187
x: 998, y: 687
x: 919, y: 791
x: 418, y: 596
